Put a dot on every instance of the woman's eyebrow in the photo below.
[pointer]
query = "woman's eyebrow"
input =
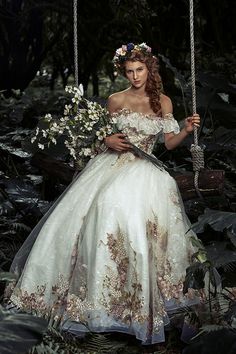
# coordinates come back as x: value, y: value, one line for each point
x: 139, y: 67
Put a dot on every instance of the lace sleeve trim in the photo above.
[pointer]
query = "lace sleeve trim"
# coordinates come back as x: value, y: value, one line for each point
x: 170, y: 124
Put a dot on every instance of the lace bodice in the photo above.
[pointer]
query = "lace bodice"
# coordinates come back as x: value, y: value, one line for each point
x: 143, y: 129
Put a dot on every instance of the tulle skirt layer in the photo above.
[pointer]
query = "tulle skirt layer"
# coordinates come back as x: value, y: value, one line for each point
x: 112, y: 253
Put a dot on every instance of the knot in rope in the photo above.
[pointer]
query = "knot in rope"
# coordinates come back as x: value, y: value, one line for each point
x: 197, y: 157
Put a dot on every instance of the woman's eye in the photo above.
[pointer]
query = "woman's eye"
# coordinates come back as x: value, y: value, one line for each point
x: 140, y: 69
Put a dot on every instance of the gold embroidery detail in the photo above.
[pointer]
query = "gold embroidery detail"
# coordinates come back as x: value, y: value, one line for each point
x: 156, y: 235
x: 168, y: 287
x: 121, y: 296
x: 158, y: 242
x: 122, y: 293
x: 174, y: 197
x: 123, y: 158
x: 126, y: 112
x: 168, y: 116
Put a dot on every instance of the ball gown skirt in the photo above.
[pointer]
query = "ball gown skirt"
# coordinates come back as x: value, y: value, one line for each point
x: 112, y: 252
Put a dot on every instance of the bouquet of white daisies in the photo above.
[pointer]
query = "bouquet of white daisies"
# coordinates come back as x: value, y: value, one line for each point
x: 84, y: 125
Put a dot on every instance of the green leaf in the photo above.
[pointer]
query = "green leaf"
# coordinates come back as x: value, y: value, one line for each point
x: 19, y: 332
x: 194, y: 278
x: 6, y: 276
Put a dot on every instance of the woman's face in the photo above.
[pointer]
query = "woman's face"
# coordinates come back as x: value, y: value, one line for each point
x: 137, y: 73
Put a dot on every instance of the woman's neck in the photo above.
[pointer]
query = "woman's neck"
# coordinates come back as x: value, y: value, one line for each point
x: 139, y: 92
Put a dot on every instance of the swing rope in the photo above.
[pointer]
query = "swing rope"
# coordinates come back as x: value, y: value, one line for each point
x: 76, y: 66
x: 196, y: 150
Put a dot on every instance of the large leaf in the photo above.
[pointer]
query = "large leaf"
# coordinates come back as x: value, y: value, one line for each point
x: 7, y: 276
x: 20, y: 190
x: 215, y: 81
x: 223, y: 112
x: 218, y: 340
x: 23, y: 195
x: 194, y: 278
x: 14, y: 151
x: 19, y: 332
x: 220, y: 255
x: 6, y: 208
x: 217, y: 219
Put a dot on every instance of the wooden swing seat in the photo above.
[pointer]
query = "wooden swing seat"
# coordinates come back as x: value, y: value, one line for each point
x: 210, y: 183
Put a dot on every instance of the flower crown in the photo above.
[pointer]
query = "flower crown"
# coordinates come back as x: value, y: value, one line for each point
x: 123, y: 53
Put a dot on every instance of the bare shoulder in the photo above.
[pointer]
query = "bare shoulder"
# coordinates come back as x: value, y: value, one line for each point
x: 115, y: 101
x: 166, y: 104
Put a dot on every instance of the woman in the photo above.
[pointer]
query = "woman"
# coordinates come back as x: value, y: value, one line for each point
x: 113, y: 250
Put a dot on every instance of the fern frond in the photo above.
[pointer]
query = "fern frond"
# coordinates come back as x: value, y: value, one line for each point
x: 19, y: 226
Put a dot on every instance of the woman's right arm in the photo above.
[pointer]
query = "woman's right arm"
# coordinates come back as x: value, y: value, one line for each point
x: 118, y: 141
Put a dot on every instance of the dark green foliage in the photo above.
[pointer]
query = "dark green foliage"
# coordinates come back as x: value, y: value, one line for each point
x: 8, y: 277
x: 64, y: 342
x: 39, y: 36
x: 194, y: 277
x: 19, y: 332
x: 214, y: 340
x: 33, y: 34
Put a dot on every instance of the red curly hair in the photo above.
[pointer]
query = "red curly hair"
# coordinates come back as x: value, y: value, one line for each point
x: 154, y: 84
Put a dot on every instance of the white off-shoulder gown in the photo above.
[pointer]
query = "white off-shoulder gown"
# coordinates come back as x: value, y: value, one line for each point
x: 113, y: 253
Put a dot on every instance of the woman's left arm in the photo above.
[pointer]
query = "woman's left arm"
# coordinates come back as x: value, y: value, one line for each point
x: 173, y: 140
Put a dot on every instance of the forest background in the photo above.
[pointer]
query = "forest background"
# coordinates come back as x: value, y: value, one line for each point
x: 37, y: 62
